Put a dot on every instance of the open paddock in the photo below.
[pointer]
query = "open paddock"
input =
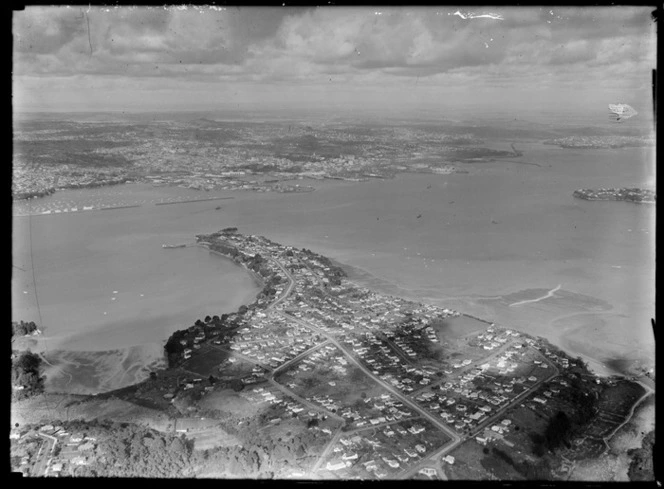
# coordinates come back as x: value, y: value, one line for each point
x: 457, y: 327
x: 227, y: 400
x: 472, y: 463
x: 212, y: 437
x: 322, y: 379
x: 206, y: 363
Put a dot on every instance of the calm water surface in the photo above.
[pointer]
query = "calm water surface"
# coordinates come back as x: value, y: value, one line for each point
x: 506, y: 234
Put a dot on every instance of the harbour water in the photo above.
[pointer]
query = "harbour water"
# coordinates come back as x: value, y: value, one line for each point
x: 507, y: 243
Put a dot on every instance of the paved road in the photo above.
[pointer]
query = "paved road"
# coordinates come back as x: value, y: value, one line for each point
x: 44, y: 456
x: 386, y: 386
x: 288, y: 290
x: 435, y: 455
x: 302, y: 400
x: 456, y: 373
x: 333, y: 441
x: 235, y: 353
x: 398, y: 351
x: 299, y: 357
x: 454, y: 437
x: 518, y: 398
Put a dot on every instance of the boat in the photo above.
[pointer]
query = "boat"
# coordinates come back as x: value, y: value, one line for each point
x: 173, y: 246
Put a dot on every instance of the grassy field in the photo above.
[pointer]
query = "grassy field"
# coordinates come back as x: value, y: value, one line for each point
x: 467, y: 464
x: 208, y: 438
x: 206, y: 363
x: 43, y: 408
x: 348, y: 381
x: 528, y: 422
x: 229, y: 401
x: 454, y: 328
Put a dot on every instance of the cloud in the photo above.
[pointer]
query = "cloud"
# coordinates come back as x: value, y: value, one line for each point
x: 46, y: 30
x: 318, y: 46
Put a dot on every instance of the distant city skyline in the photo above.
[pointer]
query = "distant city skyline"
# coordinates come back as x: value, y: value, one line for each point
x: 369, y: 58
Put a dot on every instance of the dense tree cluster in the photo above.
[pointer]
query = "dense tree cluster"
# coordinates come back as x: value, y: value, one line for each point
x: 274, y: 450
x: 584, y: 401
x: 558, y: 431
x: 561, y: 428
x: 23, y: 328
x: 174, y: 348
x: 127, y: 450
x: 26, y: 373
x: 211, y: 326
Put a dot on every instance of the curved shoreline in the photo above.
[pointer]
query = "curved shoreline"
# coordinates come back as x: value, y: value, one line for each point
x: 364, y: 278
x: 150, y: 363
x: 258, y: 280
x: 252, y: 251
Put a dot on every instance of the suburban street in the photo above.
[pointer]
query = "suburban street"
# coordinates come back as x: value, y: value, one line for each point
x: 386, y: 386
x: 44, y: 456
x: 351, y: 357
x: 432, y: 458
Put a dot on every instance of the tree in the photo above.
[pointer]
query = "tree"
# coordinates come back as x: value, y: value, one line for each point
x: 312, y: 422
x: 25, y: 372
x: 22, y: 328
x: 208, y: 319
x: 557, y: 431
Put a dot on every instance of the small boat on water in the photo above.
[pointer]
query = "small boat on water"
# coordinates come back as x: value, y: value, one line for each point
x: 173, y: 246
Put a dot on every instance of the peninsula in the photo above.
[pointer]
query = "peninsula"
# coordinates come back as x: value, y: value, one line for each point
x: 637, y: 195
x: 320, y: 378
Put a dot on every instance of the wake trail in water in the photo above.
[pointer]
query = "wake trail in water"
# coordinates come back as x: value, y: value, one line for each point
x: 549, y: 294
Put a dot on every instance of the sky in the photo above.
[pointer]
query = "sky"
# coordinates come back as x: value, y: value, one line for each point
x: 400, y: 58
